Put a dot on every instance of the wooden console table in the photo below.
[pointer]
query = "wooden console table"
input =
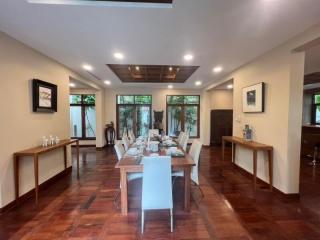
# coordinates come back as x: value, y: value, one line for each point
x: 35, y: 152
x: 255, y: 147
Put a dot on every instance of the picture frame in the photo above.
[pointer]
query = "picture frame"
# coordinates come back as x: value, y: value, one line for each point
x: 44, y: 96
x: 253, y: 98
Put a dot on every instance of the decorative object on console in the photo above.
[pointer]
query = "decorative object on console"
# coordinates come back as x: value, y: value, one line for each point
x: 253, y: 98
x: 158, y: 117
x: 44, y: 96
x: 247, y: 133
x: 110, y: 134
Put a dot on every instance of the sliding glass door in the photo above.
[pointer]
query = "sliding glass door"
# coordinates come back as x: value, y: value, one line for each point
x: 134, y: 113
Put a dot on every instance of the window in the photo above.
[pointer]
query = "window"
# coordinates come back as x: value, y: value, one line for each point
x: 183, y: 114
x: 316, y: 109
x: 83, y: 117
x: 134, y: 113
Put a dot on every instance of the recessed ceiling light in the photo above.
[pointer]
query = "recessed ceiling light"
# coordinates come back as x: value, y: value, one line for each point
x: 87, y: 67
x: 107, y: 82
x: 230, y: 86
x: 170, y: 86
x: 137, y: 68
x: 198, y: 83
x: 72, y: 85
x: 118, y: 55
x: 188, y: 57
x: 217, y: 69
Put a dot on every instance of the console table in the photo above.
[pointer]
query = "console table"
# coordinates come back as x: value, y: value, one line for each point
x: 35, y: 152
x: 255, y: 147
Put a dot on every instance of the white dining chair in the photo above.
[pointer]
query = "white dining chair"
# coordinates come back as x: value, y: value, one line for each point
x: 153, y: 132
x: 180, y: 136
x: 120, y: 151
x: 132, y: 137
x: 184, y: 141
x: 126, y: 143
x: 156, y: 193
x: 194, y: 152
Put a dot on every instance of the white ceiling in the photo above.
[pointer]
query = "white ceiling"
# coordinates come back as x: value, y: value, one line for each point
x: 217, y: 32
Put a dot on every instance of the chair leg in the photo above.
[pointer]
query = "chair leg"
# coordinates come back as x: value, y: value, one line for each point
x: 198, y: 186
x: 116, y: 197
x: 142, y: 221
x: 315, y: 155
x: 171, y: 219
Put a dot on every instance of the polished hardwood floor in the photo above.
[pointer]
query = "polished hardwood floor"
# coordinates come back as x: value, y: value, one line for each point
x: 230, y: 208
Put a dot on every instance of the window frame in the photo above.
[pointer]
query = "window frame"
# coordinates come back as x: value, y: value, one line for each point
x: 134, y: 105
x: 314, y: 108
x: 83, y: 105
x: 182, y: 115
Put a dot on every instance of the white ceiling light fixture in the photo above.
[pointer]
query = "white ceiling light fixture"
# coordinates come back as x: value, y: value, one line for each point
x: 87, y: 67
x: 118, y: 55
x: 107, y: 82
x: 217, y: 69
x: 188, y: 57
x: 100, y: 3
x: 170, y: 69
x: 72, y: 85
x: 137, y: 68
x: 230, y: 86
x: 198, y: 83
x: 170, y: 86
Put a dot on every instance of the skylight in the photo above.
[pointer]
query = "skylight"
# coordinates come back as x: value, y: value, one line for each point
x: 109, y: 3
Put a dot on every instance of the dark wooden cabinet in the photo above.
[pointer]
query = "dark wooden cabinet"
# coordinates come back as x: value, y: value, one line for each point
x: 221, y: 125
x: 309, y: 138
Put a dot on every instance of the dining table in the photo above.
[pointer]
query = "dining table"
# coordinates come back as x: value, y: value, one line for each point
x: 133, y: 164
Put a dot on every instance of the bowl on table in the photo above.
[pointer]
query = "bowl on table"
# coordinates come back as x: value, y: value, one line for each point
x: 133, y: 151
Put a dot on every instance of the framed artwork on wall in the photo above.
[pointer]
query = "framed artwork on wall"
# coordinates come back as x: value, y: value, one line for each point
x: 253, y: 98
x: 44, y: 96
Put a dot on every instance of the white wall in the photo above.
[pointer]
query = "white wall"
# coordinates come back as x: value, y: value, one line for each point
x: 221, y: 99
x: 158, y: 101
x: 20, y: 128
x: 282, y: 70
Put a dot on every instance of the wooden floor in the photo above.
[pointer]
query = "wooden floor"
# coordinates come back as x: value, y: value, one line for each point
x: 230, y: 209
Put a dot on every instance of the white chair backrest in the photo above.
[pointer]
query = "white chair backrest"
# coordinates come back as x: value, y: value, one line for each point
x: 184, y: 142
x: 153, y: 132
x: 156, y: 194
x: 126, y: 143
x: 125, y: 133
x: 119, y: 150
x: 180, y: 141
x: 131, y: 136
x: 194, y: 152
x: 180, y: 136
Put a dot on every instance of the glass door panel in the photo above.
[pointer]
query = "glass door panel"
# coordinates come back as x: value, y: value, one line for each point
x: 90, y: 119
x: 126, y: 116
x: 174, y: 120
x: 76, y: 121
x: 143, y: 120
x: 191, y: 120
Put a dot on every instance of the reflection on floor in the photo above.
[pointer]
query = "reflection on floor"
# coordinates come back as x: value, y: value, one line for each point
x: 230, y: 208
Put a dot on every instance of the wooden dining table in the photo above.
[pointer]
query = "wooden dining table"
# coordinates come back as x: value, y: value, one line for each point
x: 132, y: 165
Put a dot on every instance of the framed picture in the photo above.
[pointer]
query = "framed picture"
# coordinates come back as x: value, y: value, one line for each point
x: 253, y: 98
x: 44, y: 96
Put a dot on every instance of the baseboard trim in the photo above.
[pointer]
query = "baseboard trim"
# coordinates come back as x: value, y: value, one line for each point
x: 84, y: 146
x: 30, y: 194
x: 260, y: 181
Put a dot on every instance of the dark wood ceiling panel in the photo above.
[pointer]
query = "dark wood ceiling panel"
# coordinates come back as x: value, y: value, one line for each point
x: 152, y: 73
x: 312, y: 78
